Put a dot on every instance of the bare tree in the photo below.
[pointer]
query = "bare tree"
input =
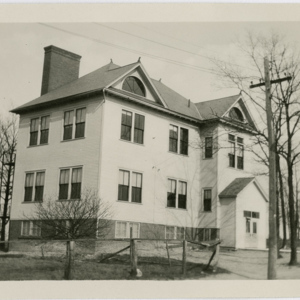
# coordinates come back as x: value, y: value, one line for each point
x: 8, y: 143
x: 285, y: 104
x: 71, y: 220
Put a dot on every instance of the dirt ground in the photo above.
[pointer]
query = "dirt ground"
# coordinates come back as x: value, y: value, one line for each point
x: 232, y: 265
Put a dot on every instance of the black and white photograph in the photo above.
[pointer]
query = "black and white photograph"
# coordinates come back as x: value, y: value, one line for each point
x: 149, y: 151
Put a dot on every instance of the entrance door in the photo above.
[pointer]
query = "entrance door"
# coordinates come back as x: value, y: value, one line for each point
x: 251, y: 233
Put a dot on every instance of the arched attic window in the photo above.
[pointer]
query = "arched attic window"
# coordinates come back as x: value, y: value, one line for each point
x: 134, y: 85
x: 236, y: 114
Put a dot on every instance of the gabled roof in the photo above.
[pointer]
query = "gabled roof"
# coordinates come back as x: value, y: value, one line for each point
x: 105, y: 76
x: 96, y: 80
x: 238, y: 184
x: 216, y: 108
x: 175, y: 101
x: 235, y: 187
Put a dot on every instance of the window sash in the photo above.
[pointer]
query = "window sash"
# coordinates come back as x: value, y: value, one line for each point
x: 126, y: 124
x: 76, y: 190
x: 79, y: 130
x: 76, y: 175
x: 25, y: 228
x: 123, y: 192
x: 63, y: 191
x: 80, y: 115
x: 44, y: 136
x: 170, y: 232
x: 173, y: 138
x: 208, y: 147
x: 136, y: 195
x: 139, y: 124
x: 207, y: 197
x: 254, y: 227
x: 68, y: 125
x: 38, y: 195
x: 121, y: 228
x: 184, y: 140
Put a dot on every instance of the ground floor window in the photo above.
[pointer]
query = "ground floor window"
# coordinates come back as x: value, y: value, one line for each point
x: 31, y: 228
x: 174, y: 233
x: 208, y: 234
x: 123, y: 229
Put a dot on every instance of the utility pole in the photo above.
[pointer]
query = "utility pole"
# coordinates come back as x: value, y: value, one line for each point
x: 272, y: 170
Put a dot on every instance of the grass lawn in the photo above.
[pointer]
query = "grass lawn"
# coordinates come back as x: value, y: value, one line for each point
x: 232, y: 265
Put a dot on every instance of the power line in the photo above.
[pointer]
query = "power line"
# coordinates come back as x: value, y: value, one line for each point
x: 198, y: 68
x: 195, y: 45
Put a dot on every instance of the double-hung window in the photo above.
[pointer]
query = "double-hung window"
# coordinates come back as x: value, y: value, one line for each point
x: 130, y: 186
x: 240, y: 153
x: 174, y: 137
x: 39, y: 131
x: 174, y: 233
x: 123, y: 229
x: 231, y: 154
x: 207, y: 200
x: 34, y: 186
x: 70, y: 186
x: 78, y: 117
x: 208, y: 147
x: 138, y: 128
x: 236, y: 152
x: 31, y: 228
x: 177, y: 198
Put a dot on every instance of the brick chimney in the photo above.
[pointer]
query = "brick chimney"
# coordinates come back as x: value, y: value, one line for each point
x: 60, y: 68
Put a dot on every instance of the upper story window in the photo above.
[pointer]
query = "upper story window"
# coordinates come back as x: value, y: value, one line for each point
x: 76, y: 117
x: 207, y: 200
x: 39, y: 131
x: 134, y: 85
x: 208, y: 147
x: 236, y: 152
x: 34, y: 186
x: 236, y: 114
x: 174, y: 137
x: 176, y: 197
x: 70, y: 186
x: 128, y: 130
x: 130, y: 191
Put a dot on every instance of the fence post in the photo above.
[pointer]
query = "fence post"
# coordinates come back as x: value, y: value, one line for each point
x: 184, y: 250
x: 133, y: 255
x: 216, y: 258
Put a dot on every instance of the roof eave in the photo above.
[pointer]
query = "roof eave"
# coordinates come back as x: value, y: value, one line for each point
x: 25, y: 109
x: 153, y: 106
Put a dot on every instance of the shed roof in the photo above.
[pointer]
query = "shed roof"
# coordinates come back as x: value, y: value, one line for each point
x: 235, y: 187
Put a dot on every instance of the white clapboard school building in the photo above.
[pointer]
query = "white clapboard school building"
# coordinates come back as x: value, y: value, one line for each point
x: 169, y: 167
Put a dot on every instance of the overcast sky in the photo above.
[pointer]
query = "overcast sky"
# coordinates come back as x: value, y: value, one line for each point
x: 175, y: 52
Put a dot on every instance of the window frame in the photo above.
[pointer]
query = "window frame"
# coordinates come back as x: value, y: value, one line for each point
x: 177, y: 187
x: 179, y: 140
x: 39, y: 131
x: 74, y: 124
x: 70, y: 179
x: 130, y: 186
x: 210, y: 199
x: 34, y: 186
x: 206, y: 148
x: 174, y: 233
x: 236, y: 161
x: 133, y: 128
x: 128, y: 225
x: 31, y: 228
x: 138, y: 81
